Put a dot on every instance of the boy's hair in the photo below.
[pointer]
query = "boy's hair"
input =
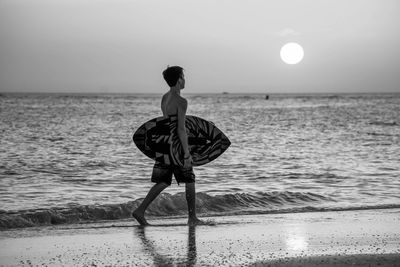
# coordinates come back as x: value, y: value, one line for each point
x: 172, y: 75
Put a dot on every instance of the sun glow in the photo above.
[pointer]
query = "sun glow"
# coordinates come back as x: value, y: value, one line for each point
x: 292, y: 53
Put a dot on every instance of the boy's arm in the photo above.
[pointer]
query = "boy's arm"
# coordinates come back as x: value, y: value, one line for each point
x: 163, y: 106
x: 182, y: 131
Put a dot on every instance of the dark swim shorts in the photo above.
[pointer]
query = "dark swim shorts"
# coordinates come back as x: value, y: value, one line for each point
x: 163, y: 173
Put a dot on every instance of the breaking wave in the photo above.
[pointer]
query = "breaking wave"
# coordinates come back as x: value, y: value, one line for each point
x: 175, y: 205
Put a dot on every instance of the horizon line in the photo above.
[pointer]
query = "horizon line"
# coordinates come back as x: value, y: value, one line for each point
x: 202, y: 93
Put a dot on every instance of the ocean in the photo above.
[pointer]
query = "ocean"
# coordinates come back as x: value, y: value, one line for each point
x: 69, y: 158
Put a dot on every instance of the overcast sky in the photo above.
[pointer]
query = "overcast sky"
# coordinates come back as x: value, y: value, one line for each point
x: 224, y: 45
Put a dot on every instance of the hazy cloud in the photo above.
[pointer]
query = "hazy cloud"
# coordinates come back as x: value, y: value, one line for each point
x: 288, y: 32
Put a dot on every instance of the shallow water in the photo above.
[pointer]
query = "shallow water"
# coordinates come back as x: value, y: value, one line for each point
x: 58, y: 151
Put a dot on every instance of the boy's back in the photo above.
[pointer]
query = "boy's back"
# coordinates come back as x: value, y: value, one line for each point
x: 171, y: 103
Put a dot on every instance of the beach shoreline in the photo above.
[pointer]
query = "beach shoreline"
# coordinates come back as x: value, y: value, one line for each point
x: 306, y: 239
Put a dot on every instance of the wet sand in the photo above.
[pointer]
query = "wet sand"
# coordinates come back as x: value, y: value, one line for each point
x: 346, y: 238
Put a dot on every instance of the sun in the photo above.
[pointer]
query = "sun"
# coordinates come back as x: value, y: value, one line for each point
x: 292, y: 53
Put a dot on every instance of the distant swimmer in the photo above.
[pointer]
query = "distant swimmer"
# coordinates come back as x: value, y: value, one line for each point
x: 266, y: 97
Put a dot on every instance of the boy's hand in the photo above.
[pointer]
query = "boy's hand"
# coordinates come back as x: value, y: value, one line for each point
x: 187, y: 162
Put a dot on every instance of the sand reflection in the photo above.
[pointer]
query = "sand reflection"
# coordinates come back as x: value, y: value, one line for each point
x: 160, y: 259
x: 295, y: 238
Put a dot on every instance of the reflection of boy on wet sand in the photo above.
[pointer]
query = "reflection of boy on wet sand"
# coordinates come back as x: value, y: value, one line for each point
x: 162, y: 260
x: 172, y: 104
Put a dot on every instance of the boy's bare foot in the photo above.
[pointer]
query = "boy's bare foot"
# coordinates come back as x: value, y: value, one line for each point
x: 197, y: 221
x: 140, y: 218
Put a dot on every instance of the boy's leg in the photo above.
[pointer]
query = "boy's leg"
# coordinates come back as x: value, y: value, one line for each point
x: 138, y: 214
x: 162, y: 176
x: 191, y: 201
x: 186, y: 175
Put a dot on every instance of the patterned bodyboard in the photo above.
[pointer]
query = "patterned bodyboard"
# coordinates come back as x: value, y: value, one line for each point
x: 158, y: 139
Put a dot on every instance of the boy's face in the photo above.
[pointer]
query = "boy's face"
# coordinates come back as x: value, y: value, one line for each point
x: 181, y: 81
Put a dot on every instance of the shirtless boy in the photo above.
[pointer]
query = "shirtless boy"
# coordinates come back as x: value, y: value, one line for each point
x: 172, y: 104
